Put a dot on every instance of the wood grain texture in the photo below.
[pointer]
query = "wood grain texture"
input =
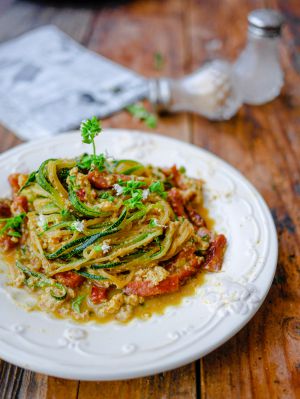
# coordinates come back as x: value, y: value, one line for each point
x: 263, y: 360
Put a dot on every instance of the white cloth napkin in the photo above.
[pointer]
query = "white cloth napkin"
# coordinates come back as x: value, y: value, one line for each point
x: 49, y: 84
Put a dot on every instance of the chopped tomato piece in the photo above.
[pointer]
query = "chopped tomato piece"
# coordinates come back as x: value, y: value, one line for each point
x: 98, y: 294
x: 19, y: 205
x: 146, y: 288
x: 5, y: 211
x: 177, y: 178
x: 100, y: 180
x: 195, y: 217
x: 70, y: 279
x: 185, y: 264
x: 14, y: 182
x: 191, y: 268
x: 215, y: 255
x: 176, y: 201
x: 7, y: 243
x: 81, y: 194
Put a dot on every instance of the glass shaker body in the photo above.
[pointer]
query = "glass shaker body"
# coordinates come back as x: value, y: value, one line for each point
x: 258, y: 70
x: 210, y: 92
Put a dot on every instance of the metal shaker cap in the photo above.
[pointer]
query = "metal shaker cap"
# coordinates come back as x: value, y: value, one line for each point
x: 265, y: 22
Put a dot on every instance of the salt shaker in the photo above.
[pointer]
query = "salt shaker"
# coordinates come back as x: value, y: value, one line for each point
x: 258, y: 70
x: 210, y: 91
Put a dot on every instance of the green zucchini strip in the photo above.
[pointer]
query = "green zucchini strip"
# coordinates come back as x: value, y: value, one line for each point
x: 42, y: 180
x: 90, y: 276
x: 106, y: 265
x: 47, y: 282
x: 82, y: 208
x: 81, y: 243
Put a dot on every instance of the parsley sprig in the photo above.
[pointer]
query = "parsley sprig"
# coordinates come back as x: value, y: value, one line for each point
x: 107, y: 196
x: 90, y: 128
x: 133, y: 189
x: 136, y: 190
x: 136, y: 201
x: 87, y: 161
x: 158, y: 188
x: 139, y: 112
x: 13, y: 224
x: 130, y: 187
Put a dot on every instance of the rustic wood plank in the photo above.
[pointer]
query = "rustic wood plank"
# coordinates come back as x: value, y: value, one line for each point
x: 58, y: 388
x: 128, y: 35
x: 179, y: 384
x: 263, y: 142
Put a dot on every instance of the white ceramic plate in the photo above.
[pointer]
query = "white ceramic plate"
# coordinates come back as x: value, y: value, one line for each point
x: 221, y: 307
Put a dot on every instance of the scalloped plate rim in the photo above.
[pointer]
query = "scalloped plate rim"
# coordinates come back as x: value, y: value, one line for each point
x: 187, y: 356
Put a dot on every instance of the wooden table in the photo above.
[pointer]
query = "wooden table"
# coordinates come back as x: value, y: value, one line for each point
x: 263, y: 360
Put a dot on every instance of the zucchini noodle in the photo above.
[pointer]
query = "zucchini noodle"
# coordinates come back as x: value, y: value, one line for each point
x: 114, y: 234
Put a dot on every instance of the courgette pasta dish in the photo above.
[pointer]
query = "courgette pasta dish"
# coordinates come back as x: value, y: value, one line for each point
x: 95, y: 238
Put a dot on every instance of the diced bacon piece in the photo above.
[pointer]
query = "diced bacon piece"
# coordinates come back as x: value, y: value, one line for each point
x: 19, y: 205
x: 178, y: 178
x: 175, y: 176
x: 176, y: 201
x: 185, y: 264
x: 195, y: 217
x: 70, y: 279
x: 215, y: 254
x: 5, y: 211
x: 102, y: 180
x: 98, y: 294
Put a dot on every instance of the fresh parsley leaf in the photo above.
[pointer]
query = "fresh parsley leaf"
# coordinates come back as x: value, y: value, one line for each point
x: 139, y: 112
x: 130, y: 187
x: 88, y: 162
x: 153, y: 223
x: 77, y: 302
x: 107, y: 196
x: 13, y: 223
x: 15, y: 234
x: 72, y: 178
x: 29, y: 181
x: 158, y: 188
x: 158, y: 61
x: 90, y: 128
x: 136, y: 201
x: 133, y: 188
